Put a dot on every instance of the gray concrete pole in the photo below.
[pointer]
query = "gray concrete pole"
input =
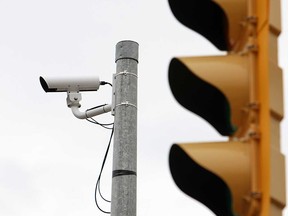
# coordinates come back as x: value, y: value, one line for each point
x: 125, y: 137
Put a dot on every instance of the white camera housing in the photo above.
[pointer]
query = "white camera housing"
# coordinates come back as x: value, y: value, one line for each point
x: 76, y: 84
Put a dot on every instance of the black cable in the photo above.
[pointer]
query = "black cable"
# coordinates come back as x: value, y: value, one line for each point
x: 97, y: 187
x: 106, y: 212
x: 101, y: 193
x: 92, y: 120
x: 105, y: 83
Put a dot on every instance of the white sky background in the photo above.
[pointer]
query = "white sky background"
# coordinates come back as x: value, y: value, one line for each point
x: 49, y: 160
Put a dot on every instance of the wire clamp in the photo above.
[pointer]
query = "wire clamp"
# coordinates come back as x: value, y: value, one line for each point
x: 125, y: 73
x: 126, y: 103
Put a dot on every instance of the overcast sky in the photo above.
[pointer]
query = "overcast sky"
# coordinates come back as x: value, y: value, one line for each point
x: 49, y: 160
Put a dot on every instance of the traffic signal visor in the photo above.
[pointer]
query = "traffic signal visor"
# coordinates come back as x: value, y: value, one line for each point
x: 215, y: 88
x: 216, y: 174
x: 220, y: 21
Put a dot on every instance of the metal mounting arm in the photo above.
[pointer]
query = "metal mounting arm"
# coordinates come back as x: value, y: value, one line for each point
x: 73, y: 102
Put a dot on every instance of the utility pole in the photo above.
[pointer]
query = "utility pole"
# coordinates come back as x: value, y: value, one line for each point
x: 125, y: 127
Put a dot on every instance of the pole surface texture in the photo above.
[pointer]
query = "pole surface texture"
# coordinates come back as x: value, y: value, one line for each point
x: 125, y: 128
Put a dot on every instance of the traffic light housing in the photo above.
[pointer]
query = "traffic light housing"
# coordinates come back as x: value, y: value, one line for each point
x: 231, y: 164
x: 215, y: 88
x: 222, y: 22
x: 235, y: 93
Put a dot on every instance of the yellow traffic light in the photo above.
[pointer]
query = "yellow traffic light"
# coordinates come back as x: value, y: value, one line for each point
x: 215, y: 88
x: 236, y: 94
x: 224, y: 189
x: 222, y: 22
x: 222, y: 175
